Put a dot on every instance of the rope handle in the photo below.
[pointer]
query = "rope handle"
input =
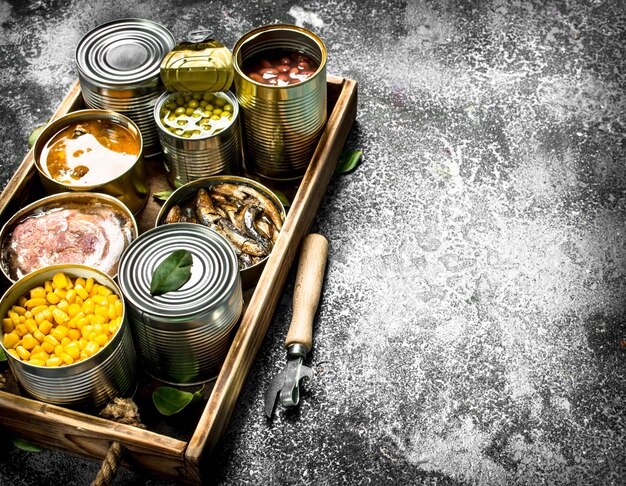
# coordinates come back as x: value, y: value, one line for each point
x: 110, y: 465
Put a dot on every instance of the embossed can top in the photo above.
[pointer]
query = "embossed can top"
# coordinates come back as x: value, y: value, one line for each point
x: 201, y: 64
x: 214, y: 272
x: 122, y: 53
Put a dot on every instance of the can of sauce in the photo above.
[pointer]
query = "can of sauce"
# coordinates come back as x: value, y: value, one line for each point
x: 280, y: 81
x: 118, y: 68
x: 184, y: 335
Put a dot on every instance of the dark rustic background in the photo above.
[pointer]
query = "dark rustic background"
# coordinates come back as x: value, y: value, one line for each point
x: 472, y: 324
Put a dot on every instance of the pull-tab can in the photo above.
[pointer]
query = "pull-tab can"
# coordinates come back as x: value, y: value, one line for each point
x: 201, y: 64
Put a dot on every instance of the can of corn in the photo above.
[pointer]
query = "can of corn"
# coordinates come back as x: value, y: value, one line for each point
x: 118, y: 68
x: 88, y: 383
x: 281, y: 121
x: 182, y: 335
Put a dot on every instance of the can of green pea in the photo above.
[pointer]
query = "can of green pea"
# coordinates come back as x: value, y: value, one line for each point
x: 182, y: 335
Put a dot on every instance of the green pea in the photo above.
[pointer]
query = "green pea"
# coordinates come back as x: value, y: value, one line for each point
x: 217, y: 111
x: 208, y: 97
x: 180, y: 101
x: 228, y: 108
x: 189, y: 111
x: 209, y: 108
x: 197, y: 132
x: 221, y: 102
x: 180, y: 111
x: 196, y: 114
x: 171, y: 117
x: 197, y: 96
x: 203, y: 103
x: 181, y: 122
x: 187, y: 97
x: 179, y: 131
x: 215, y: 117
x: 193, y: 104
x: 187, y: 135
x: 226, y: 114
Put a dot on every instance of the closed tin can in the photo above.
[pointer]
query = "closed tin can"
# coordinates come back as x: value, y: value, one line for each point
x: 281, y: 124
x: 118, y: 68
x: 205, y: 153
x: 201, y: 64
x: 109, y: 373
x: 130, y: 186
x: 182, y: 336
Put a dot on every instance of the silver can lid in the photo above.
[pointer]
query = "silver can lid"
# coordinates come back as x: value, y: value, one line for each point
x: 124, y: 52
x: 214, y: 271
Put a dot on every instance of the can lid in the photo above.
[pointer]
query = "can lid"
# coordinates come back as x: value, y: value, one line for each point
x: 123, y: 52
x: 199, y: 65
x: 214, y: 271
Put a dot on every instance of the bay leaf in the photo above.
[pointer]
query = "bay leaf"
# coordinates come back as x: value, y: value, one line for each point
x: 348, y: 161
x: 172, y: 273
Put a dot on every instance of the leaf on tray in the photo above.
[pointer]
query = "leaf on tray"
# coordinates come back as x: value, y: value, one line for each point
x: 169, y: 401
x: 162, y: 195
x: 34, y: 135
x: 172, y: 273
x: 348, y: 161
x: 26, y: 446
x: 3, y: 357
x: 282, y: 198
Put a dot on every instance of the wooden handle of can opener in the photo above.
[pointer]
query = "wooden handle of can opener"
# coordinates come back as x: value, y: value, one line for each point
x: 306, y: 294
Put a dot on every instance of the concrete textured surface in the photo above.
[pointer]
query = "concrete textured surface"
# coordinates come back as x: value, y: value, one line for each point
x: 473, y: 323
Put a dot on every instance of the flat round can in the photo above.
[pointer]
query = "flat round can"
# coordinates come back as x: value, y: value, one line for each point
x: 124, y: 52
x: 214, y: 272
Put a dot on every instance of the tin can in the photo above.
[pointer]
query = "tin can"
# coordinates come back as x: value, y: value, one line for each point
x: 201, y: 64
x: 118, y: 68
x: 117, y: 232
x: 281, y: 124
x: 249, y: 275
x: 188, y: 159
x: 182, y: 336
x: 91, y: 383
x: 130, y: 187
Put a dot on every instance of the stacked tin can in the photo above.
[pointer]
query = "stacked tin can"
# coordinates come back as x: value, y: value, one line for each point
x: 118, y: 68
x: 201, y: 65
x: 183, y: 335
x: 281, y: 124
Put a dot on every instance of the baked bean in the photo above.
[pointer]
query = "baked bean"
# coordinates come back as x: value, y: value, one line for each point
x: 280, y: 68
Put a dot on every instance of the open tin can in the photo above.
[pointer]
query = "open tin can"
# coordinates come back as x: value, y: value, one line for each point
x: 118, y: 68
x: 109, y: 373
x: 198, y: 119
x: 183, y: 335
x: 281, y: 124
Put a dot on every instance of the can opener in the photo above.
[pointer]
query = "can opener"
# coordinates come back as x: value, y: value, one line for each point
x: 306, y: 296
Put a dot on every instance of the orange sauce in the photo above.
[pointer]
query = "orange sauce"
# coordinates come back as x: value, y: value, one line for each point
x: 89, y: 153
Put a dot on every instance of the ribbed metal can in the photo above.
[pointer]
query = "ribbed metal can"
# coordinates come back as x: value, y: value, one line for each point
x: 119, y: 70
x: 281, y: 125
x: 182, y: 336
x: 91, y: 383
x: 188, y: 159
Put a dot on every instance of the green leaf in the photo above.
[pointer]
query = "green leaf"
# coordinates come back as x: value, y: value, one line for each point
x: 282, y: 198
x: 172, y: 273
x: 162, y: 195
x: 3, y: 357
x: 169, y: 401
x: 348, y: 161
x: 34, y: 135
x: 26, y: 446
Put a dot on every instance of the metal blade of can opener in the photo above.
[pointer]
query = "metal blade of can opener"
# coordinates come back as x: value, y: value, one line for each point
x: 286, y: 385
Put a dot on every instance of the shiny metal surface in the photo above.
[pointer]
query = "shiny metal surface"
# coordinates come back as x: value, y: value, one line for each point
x: 130, y: 188
x: 188, y: 159
x: 118, y: 68
x: 109, y: 373
x: 182, y: 336
x: 281, y: 125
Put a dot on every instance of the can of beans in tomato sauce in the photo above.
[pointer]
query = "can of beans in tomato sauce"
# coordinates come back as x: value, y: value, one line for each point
x: 182, y: 335
x: 118, y: 68
x: 198, y: 118
x: 280, y: 80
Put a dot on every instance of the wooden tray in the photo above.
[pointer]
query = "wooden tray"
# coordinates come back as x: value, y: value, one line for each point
x: 180, y: 448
